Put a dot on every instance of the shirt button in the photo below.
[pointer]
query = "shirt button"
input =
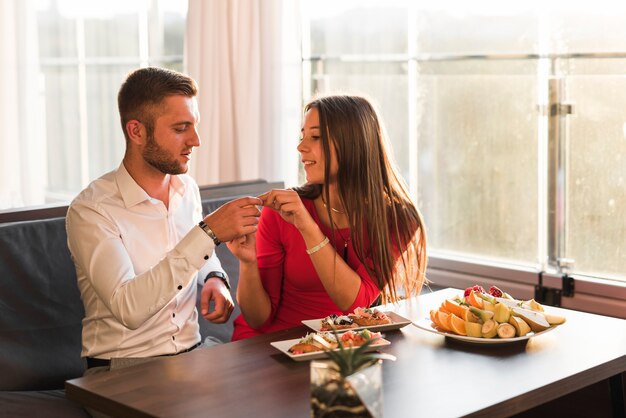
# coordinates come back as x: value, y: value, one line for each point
x: 206, y: 257
x: 180, y: 287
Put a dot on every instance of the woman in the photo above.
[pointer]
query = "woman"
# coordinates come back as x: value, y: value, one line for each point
x: 347, y: 237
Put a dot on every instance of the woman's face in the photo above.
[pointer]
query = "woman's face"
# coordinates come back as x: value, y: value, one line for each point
x: 311, y: 151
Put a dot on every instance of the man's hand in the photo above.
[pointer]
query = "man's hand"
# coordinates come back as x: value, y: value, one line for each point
x: 215, y: 290
x: 235, y: 219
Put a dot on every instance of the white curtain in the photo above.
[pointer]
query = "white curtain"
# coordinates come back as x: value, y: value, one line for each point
x: 22, y: 145
x: 245, y: 56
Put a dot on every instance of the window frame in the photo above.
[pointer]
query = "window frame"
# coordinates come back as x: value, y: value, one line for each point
x: 81, y: 62
x: 592, y: 294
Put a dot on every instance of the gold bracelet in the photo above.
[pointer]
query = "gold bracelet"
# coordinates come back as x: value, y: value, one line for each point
x: 318, y: 246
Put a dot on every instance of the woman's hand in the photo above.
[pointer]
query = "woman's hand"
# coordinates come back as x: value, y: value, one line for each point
x: 244, y: 248
x: 290, y: 207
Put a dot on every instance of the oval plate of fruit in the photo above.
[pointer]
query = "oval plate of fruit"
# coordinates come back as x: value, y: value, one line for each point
x: 492, y: 317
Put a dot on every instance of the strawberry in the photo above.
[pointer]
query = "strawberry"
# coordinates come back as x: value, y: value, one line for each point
x: 495, y: 292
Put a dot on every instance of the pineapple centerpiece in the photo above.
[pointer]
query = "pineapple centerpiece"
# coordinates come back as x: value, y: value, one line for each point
x: 349, y: 383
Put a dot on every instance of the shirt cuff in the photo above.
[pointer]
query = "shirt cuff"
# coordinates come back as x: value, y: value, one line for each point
x: 196, y: 247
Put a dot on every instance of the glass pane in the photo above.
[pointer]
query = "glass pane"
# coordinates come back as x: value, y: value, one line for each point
x: 167, y: 28
x: 477, y: 157
x: 112, y: 36
x: 56, y: 32
x: 106, y: 144
x: 580, y: 27
x: 63, y: 129
x: 385, y: 84
x: 357, y: 27
x: 596, y: 179
x: 500, y: 27
x: 172, y: 65
x: 476, y: 28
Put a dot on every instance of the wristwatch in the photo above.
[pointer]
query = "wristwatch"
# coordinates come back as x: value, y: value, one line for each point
x: 220, y: 276
x: 209, y: 232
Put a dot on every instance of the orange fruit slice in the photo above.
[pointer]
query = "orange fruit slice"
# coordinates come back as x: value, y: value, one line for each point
x: 433, y: 318
x: 455, y: 307
x: 458, y: 325
x: 475, y: 300
x: 443, y: 320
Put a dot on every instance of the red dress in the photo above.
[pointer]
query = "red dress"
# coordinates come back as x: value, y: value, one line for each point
x: 289, y: 277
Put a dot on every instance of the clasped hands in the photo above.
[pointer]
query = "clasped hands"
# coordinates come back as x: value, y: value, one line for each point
x: 290, y: 207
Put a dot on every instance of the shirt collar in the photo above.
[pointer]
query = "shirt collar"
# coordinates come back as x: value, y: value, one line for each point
x: 177, y: 185
x: 133, y: 194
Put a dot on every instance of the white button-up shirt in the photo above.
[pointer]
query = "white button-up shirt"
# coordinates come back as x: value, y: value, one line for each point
x: 138, y: 265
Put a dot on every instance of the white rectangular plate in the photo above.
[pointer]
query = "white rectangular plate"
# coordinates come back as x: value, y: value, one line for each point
x: 286, y: 344
x: 397, y: 322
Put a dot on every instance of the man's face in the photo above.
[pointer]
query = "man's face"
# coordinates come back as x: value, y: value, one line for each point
x: 168, y: 148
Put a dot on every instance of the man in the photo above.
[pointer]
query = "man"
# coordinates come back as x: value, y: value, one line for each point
x: 135, y: 236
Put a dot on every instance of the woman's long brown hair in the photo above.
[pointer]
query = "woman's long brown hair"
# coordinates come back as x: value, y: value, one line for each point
x: 372, y: 193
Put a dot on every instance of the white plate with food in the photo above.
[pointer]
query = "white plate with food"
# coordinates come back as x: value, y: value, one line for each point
x: 427, y: 325
x: 397, y: 322
x: 286, y: 345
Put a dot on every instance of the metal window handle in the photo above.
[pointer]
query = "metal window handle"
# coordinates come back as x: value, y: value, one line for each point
x: 556, y: 109
x: 561, y: 109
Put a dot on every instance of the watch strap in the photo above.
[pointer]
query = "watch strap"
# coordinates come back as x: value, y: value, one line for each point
x: 220, y: 275
x: 210, y: 233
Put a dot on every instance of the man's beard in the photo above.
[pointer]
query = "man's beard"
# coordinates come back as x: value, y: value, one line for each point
x: 158, y: 158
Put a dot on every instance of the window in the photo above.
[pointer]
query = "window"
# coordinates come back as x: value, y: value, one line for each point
x: 506, y: 122
x: 85, y: 51
x: 595, y: 165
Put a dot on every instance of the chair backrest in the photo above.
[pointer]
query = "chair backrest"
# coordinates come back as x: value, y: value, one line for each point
x: 32, y: 213
x: 40, y: 307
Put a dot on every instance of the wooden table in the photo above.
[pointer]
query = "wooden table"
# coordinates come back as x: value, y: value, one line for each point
x: 432, y: 376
